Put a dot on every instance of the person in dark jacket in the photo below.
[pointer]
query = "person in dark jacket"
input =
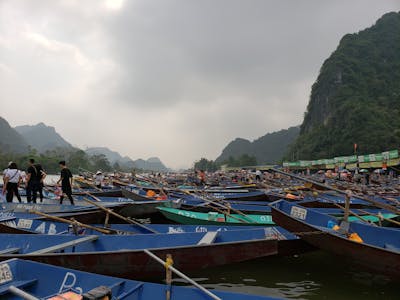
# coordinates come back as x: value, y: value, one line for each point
x: 66, y: 182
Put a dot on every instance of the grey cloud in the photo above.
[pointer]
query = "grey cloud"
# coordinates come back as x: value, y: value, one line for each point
x: 199, y: 72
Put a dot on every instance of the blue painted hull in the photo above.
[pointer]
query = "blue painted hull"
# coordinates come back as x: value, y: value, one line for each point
x: 45, y: 281
x: 123, y: 255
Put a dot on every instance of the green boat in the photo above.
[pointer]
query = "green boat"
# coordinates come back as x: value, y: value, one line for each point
x: 213, y: 218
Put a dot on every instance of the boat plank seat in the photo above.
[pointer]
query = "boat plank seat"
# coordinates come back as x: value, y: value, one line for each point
x: 4, y: 289
x: 9, y: 251
x: 62, y: 246
x: 208, y: 238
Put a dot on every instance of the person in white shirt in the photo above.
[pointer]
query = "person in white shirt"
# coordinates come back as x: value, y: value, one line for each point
x: 258, y: 175
x: 98, y: 179
x: 12, y: 180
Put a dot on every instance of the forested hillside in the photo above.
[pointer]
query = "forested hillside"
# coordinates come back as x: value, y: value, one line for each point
x: 269, y: 148
x: 356, y: 97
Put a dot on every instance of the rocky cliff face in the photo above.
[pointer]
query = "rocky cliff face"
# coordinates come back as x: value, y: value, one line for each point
x: 42, y: 137
x: 10, y: 139
x: 356, y: 97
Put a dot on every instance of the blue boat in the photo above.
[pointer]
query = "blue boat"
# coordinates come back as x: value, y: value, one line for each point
x: 376, y: 248
x: 19, y: 277
x: 120, y: 255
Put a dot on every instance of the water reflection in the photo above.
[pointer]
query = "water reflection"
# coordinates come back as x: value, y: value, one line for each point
x: 316, y: 275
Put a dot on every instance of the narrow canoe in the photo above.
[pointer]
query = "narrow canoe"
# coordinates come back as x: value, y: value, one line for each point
x: 212, y: 218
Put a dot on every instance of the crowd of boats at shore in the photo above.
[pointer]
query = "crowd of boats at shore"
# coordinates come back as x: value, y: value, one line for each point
x: 145, y: 227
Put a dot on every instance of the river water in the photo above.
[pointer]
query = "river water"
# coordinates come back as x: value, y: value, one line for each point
x: 315, y: 275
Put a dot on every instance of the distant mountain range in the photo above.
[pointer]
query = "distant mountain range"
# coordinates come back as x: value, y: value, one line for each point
x: 151, y: 164
x: 267, y: 149
x: 43, y: 138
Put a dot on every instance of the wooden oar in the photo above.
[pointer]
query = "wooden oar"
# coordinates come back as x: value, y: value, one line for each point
x: 380, y: 217
x: 215, y: 202
x: 344, y: 209
x: 73, y: 222
x: 88, y: 183
x: 111, y: 212
x: 377, y: 204
x: 156, y: 185
x: 230, y: 208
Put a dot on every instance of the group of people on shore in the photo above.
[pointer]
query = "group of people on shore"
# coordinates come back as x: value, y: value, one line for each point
x: 33, y: 180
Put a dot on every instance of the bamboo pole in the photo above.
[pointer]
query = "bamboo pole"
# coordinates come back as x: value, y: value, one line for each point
x: 377, y: 204
x: 111, y: 212
x: 72, y: 222
x: 380, y: 216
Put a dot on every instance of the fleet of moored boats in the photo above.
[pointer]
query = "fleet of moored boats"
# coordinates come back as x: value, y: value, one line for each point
x: 112, y: 236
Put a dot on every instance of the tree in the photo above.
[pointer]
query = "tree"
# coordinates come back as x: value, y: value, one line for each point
x: 206, y: 165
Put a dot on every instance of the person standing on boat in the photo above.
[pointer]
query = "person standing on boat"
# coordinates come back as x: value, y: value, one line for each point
x: 258, y: 175
x: 12, y: 180
x: 98, y: 179
x: 34, y: 180
x: 66, y: 182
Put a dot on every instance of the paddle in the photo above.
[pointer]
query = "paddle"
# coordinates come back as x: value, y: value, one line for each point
x: 229, y: 208
x: 88, y: 183
x: 74, y: 222
x: 156, y: 185
x: 380, y: 217
x: 345, y: 209
x: 377, y: 204
x: 111, y: 212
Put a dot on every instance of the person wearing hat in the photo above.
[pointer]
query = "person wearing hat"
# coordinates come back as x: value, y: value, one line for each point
x: 98, y: 179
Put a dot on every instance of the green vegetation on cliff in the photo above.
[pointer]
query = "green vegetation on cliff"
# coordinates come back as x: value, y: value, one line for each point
x: 356, y: 98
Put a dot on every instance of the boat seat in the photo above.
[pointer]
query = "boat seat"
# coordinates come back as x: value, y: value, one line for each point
x: 208, y: 238
x: 392, y: 248
x: 9, y: 251
x: 62, y: 246
x: 18, y: 284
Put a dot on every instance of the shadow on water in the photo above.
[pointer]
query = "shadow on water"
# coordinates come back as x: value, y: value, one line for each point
x: 316, y: 275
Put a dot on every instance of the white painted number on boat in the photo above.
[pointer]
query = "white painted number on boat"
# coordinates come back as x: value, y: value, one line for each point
x: 5, y: 273
x: 24, y: 223
x: 298, y: 213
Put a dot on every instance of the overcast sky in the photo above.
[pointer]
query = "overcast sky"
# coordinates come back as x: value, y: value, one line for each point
x: 173, y: 79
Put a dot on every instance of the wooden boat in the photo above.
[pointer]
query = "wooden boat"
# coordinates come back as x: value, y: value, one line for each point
x: 378, y: 251
x: 45, y: 281
x: 54, y: 208
x: 132, y: 208
x: 213, y: 218
x: 123, y: 255
x: 288, y: 243
x: 135, y: 194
